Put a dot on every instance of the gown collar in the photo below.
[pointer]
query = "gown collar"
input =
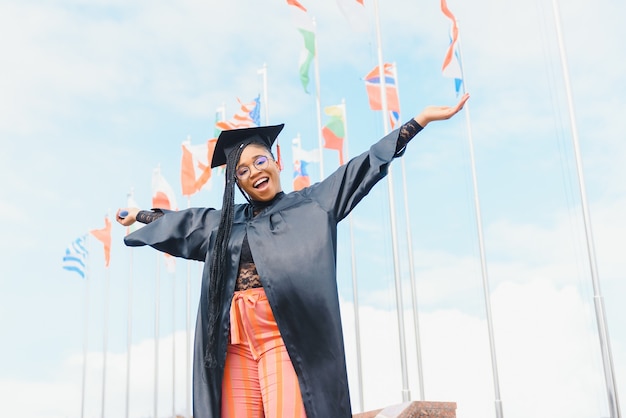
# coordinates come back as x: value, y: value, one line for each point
x: 258, y: 206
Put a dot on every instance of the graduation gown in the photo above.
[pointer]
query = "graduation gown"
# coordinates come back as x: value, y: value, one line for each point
x: 294, y: 246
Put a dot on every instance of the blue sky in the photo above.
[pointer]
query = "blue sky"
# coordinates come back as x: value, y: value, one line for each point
x: 96, y: 94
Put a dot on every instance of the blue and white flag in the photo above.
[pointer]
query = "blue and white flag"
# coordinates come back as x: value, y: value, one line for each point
x: 75, y: 258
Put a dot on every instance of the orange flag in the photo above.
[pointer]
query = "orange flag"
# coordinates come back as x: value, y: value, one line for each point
x: 104, y: 236
x: 195, y: 169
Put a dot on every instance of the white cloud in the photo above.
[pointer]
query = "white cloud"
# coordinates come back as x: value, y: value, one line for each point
x: 546, y: 350
x: 62, y: 395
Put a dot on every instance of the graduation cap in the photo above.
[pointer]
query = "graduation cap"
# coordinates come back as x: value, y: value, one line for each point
x: 233, y: 138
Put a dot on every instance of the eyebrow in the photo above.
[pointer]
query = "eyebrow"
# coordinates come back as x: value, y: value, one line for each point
x: 254, y: 158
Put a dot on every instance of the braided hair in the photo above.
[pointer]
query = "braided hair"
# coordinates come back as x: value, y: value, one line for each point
x: 220, y: 259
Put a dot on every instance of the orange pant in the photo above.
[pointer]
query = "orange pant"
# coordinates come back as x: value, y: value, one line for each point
x: 259, y: 379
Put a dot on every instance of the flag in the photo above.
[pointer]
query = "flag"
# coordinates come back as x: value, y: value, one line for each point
x: 451, y: 67
x: 163, y: 198
x: 104, y: 236
x: 195, y: 167
x: 131, y: 203
x: 373, y: 87
x: 335, y: 129
x: 355, y: 13
x: 170, y: 263
x: 219, y: 115
x: 279, y: 158
x: 304, y: 24
x: 394, y: 118
x: 162, y: 193
x: 312, y: 156
x: 248, y: 116
x: 75, y: 258
x: 301, y: 160
x: 301, y: 177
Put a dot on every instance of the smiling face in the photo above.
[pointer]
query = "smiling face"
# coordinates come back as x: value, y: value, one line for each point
x: 260, y: 184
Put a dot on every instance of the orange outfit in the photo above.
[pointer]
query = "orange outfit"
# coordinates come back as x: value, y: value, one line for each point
x: 259, y: 379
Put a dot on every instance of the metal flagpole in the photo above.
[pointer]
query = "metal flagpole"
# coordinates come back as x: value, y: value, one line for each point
x: 357, y: 324
x: 320, y: 141
x: 221, y: 110
x: 104, y: 339
x: 188, y: 339
x: 406, y: 394
x: 483, y: 265
x: 355, y: 290
x: 603, y: 332
x: 85, y: 334
x: 483, y: 262
x: 173, y: 344
x: 156, y: 334
x: 409, y: 240
x: 129, y: 331
x: 263, y: 72
x: 130, y: 200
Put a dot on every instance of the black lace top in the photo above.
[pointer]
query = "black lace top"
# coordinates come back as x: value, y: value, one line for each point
x: 248, y: 277
x: 407, y: 132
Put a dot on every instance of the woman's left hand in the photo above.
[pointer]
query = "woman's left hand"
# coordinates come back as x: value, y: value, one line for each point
x: 434, y: 113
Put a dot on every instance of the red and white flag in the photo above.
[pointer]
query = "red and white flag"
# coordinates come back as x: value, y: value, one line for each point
x: 451, y: 67
x: 162, y: 193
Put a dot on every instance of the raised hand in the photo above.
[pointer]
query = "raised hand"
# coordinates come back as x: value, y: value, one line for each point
x: 434, y: 113
x: 126, y: 216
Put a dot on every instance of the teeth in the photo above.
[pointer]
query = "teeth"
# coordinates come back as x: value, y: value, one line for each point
x: 260, y: 181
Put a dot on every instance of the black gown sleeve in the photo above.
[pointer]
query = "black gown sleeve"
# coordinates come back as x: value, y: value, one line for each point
x: 185, y: 233
x: 343, y: 189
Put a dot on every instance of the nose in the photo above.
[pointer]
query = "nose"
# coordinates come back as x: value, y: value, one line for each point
x: 255, y: 169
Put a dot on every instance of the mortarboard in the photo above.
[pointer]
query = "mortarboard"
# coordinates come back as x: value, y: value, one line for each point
x: 233, y: 138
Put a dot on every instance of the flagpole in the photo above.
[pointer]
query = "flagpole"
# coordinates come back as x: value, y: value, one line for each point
x: 129, y: 330
x: 483, y: 264
x: 104, y: 339
x: 162, y: 197
x: 85, y: 334
x: 263, y: 72
x: 409, y: 240
x: 406, y: 394
x: 188, y: 354
x: 603, y: 332
x: 221, y: 111
x: 355, y: 290
x: 173, y: 345
x: 317, y: 103
x: 129, y: 199
x: 481, y: 244
x: 156, y: 333
x: 188, y: 325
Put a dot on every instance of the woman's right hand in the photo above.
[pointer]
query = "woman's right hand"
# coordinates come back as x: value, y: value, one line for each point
x: 126, y: 216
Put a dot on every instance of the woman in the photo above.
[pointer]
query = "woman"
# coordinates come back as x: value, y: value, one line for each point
x: 268, y: 333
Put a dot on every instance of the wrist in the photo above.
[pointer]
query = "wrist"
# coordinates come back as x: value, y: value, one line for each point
x: 422, y: 120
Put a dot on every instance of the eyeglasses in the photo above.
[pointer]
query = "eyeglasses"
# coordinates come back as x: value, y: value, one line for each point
x: 260, y: 163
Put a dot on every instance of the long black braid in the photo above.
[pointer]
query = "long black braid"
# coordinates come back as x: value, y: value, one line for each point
x: 220, y: 260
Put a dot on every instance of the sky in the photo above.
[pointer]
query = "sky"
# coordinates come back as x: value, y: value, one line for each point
x: 97, y: 94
